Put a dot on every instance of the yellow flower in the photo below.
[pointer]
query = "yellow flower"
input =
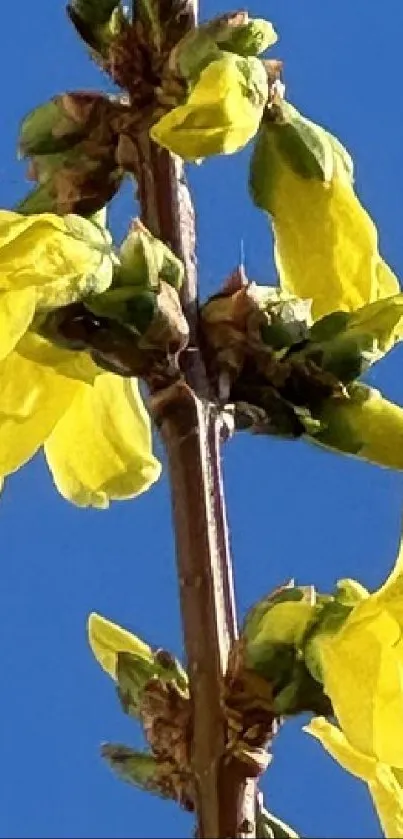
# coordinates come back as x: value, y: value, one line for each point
x: 326, y: 250
x: 93, y: 425
x: 107, y: 639
x: 47, y: 261
x: 326, y: 244
x: 222, y: 113
x: 362, y: 671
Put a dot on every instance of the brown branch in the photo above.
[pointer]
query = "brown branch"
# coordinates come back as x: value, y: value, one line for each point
x: 191, y: 428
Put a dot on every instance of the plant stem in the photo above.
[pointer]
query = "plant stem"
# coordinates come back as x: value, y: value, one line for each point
x: 191, y: 428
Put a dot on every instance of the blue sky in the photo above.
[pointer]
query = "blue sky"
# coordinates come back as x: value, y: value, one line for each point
x: 294, y: 511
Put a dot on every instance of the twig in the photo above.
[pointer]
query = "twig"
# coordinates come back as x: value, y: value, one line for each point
x: 190, y: 426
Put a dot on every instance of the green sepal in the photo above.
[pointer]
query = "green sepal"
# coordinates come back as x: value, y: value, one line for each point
x: 330, y: 620
x: 287, y: 136
x: 233, y: 32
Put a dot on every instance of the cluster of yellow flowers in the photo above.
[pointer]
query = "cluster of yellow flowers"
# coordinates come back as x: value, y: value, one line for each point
x: 93, y: 426
x: 360, y: 665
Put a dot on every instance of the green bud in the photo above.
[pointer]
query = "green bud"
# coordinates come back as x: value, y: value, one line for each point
x: 248, y: 38
x: 280, y: 619
x: 232, y: 32
x: 145, y: 260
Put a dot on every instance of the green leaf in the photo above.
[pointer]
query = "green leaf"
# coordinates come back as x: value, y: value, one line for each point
x: 39, y: 200
x: 97, y: 22
x: 133, y: 674
x: 95, y: 11
x: 137, y: 768
x: 48, y: 129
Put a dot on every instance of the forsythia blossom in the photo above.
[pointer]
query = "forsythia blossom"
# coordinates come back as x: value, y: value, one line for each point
x: 222, y: 113
x: 361, y: 667
x: 93, y: 425
x: 326, y: 250
x: 47, y: 261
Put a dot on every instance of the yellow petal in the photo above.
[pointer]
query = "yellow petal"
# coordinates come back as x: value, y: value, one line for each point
x: 367, y: 425
x: 390, y: 594
x: 383, y: 784
x: 350, y: 667
x: 222, y: 113
x: 326, y: 245
x: 32, y: 398
x: 17, y: 309
x: 107, y: 639
x: 382, y: 320
x: 363, y: 676
x: 101, y: 449
x: 387, y: 795
x: 387, y: 282
x: 388, y: 718
x: 335, y: 742
x: 62, y: 258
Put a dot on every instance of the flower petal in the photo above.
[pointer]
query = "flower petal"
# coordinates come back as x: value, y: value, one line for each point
x: 387, y: 795
x: 335, y: 742
x: 32, y: 398
x: 326, y: 245
x: 101, y: 449
x: 383, y: 784
x: 381, y: 320
x: 391, y: 592
x: 366, y: 425
x: 363, y: 676
x: 387, y: 282
x: 17, y: 309
x: 63, y: 258
x: 222, y: 113
x: 106, y: 639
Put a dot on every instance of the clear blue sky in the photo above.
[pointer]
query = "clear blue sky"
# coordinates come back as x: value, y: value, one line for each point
x: 294, y: 511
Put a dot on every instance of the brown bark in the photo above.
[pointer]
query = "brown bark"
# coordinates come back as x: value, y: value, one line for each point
x: 191, y: 428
